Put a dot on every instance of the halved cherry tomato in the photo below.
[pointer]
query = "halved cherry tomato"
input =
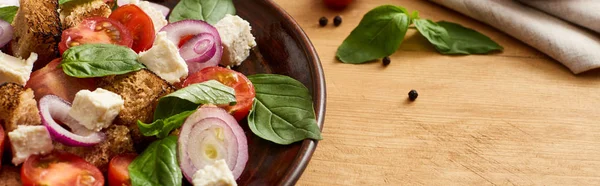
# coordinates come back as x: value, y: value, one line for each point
x: 337, y: 4
x: 118, y: 173
x: 52, y: 80
x: 60, y: 168
x: 244, y: 90
x: 139, y: 25
x: 2, y: 136
x: 95, y: 30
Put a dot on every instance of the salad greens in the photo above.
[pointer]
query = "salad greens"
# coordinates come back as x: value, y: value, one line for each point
x: 97, y: 60
x: 283, y: 110
x: 188, y: 98
x: 162, y: 127
x: 210, y: 11
x: 381, y: 31
x: 157, y: 165
x: 8, y: 13
x: 378, y: 34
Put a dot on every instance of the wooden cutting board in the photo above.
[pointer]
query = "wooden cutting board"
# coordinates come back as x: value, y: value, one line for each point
x: 512, y: 118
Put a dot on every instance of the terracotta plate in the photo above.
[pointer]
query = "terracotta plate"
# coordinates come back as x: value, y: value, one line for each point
x: 283, y: 48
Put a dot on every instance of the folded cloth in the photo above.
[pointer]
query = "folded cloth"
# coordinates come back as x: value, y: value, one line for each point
x: 581, y: 12
x: 576, y: 48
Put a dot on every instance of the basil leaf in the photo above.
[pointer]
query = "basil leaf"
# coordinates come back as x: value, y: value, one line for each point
x: 379, y: 34
x: 210, y: 11
x: 435, y: 34
x: 8, y: 13
x: 60, y: 2
x: 157, y: 165
x: 467, y: 41
x: 188, y: 98
x: 283, y: 110
x: 162, y: 127
x: 97, y: 60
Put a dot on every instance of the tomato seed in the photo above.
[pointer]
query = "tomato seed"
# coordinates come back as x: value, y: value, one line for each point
x: 106, y: 24
x: 74, y: 44
x: 98, y: 28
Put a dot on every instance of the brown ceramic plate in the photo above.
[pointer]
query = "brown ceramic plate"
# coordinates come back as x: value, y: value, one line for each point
x: 283, y: 48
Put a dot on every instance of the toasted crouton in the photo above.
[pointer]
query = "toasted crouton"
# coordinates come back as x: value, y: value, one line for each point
x: 10, y: 176
x: 37, y: 29
x: 118, y: 141
x: 17, y: 107
x: 73, y: 12
x: 140, y: 90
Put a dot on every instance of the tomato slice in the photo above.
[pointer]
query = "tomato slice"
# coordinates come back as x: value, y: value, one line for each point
x: 60, y: 168
x: 244, y: 90
x: 95, y: 30
x: 2, y: 137
x: 118, y: 173
x: 52, y: 80
x: 139, y: 25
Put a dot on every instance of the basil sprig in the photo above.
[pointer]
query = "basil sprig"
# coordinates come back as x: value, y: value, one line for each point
x: 210, y: 11
x: 157, y: 165
x: 97, y: 60
x: 162, y: 127
x: 381, y: 31
x: 8, y: 13
x: 190, y: 97
x: 283, y: 110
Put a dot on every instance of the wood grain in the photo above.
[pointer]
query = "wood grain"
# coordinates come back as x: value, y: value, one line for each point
x: 512, y: 118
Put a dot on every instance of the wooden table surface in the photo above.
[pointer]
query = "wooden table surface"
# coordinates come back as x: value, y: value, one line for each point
x: 512, y: 118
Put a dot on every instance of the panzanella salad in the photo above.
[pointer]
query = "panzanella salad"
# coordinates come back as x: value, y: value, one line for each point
x: 97, y: 92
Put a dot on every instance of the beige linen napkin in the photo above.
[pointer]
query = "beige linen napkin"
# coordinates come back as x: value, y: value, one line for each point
x: 585, y: 13
x: 576, y: 48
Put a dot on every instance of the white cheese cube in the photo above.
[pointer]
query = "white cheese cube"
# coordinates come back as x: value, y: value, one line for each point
x: 29, y: 140
x: 16, y: 70
x: 158, y: 19
x: 236, y: 38
x: 217, y: 174
x: 164, y: 60
x: 96, y: 110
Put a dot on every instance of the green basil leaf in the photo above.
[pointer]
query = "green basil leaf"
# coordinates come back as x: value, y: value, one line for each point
x: 8, y: 13
x: 467, y: 41
x: 435, y: 34
x: 97, y: 60
x: 157, y: 165
x: 188, y: 98
x: 162, y: 127
x: 379, y: 34
x: 60, y: 2
x: 210, y: 11
x: 283, y: 110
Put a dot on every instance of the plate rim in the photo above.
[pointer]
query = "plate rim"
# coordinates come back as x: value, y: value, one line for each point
x: 318, y: 84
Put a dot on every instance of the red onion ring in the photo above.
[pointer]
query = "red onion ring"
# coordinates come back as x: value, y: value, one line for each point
x: 198, y: 51
x: 54, y: 108
x: 207, y: 126
x: 6, y: 32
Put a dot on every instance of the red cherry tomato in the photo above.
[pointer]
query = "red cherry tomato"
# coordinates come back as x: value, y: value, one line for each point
x: 139, y: 25
x: 60, y: 169
x: 244, y: 90
x: 2, y: 136
x: 118, y: 173
x: 52, y: 80
x: 337, y: 4
x: 95, y: 30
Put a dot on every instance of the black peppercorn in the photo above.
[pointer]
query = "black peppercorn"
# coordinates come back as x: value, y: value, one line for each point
x: 323, y: 21
x: 412, y: 95
x: 386, y: 61
x: 337, y: 20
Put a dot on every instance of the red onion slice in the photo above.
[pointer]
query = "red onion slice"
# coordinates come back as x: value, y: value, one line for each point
x: 54, y: 108
x: 198, y: 51
x: 6, y: 33
x: 208, y: 135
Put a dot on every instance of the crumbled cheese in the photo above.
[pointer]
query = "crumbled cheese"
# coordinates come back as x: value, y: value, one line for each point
x: 96, y: 110
x: 217, y: 174
x: 164, y: 60
x: 236, y: 38
x: 29, y: 140
x: 158, y: 19
x: 16, y: 70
